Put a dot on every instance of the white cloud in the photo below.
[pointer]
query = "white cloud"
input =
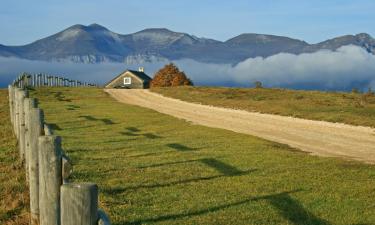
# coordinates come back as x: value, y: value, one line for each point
x: 343, y: 69
x: 347, y: 67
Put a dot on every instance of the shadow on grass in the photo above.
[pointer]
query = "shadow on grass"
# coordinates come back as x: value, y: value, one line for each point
x: 301, y: 215
x: 60, y: 97
x: 120, y: 190
x: 54, y: 126
x: 107, y: 121
x: 148, y: 154
x: 221, y: 167
x: 127, y: 133
x: 72, y: 107
x: 151, y: 136
x: 91, y: 118
x: 133, y: 129
x: 293, y: 211
x: 168, y: 163
x: 180, y: 147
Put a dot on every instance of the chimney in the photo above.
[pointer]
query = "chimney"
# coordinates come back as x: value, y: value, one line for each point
x: 141, y: 69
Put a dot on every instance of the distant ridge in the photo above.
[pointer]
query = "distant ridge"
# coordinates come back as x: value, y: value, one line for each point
x: 97, y: 44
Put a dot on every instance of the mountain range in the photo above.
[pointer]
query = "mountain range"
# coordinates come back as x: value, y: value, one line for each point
x: 97, y: 44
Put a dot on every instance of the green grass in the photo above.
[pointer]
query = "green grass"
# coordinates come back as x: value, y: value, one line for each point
x: 350, y: 108
x: 155, y: 169
x: 14, y: 194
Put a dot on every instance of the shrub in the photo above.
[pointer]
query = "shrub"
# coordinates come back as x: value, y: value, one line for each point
x: 258, y: 84
x: 355, y: 90
x: 170, y: 75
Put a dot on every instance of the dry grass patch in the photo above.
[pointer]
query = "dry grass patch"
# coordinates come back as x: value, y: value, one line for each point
x: 350, y: 108
x: 14, y: 196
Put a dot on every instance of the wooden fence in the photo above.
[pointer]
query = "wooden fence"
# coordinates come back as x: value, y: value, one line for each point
x: 40, y: 80
x: 53, y: 199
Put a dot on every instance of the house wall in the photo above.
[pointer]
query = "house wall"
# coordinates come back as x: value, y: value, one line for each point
x: 136, y: 83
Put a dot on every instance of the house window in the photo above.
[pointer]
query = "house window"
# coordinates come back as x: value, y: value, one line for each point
x: 127, y: 80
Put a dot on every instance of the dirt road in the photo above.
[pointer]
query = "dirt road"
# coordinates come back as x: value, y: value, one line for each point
x: 316, y: 137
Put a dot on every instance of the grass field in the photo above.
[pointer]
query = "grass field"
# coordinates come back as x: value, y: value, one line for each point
x: 154, y: 169
x: 14, y: 199
x: 350, y: 108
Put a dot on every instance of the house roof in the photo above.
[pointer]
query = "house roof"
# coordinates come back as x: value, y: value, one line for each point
x: 140, y: 75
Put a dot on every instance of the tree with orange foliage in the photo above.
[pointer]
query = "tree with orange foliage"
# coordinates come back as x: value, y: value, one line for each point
x: 170, y: 75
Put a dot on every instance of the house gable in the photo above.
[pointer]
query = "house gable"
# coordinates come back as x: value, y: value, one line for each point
x: 138, y: 80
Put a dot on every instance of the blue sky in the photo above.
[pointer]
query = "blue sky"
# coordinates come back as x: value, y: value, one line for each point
x: 23, y: 21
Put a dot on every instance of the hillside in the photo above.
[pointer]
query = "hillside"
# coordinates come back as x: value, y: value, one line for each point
x: 96, y: 44
x: 155, y: 169
x: 350, y: 108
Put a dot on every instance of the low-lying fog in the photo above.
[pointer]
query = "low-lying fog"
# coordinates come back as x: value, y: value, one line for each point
x: 346, y: 68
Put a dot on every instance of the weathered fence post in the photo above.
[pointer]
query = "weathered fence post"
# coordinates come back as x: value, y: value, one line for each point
x: 17, y: 109
x: 38, y: 78
x: 21, y: 122
x: 44, y: 80
x: 36, y: 118
x: 28, y: 104
x: 49, y: 179
x: 33, y: 80
x: 79, y: 204
x: 13, y: 115
x: 29, y: 80
x: 10, y: 96
x: 22, y: 145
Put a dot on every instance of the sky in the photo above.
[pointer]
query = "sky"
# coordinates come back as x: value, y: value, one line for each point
x: 24, y: 21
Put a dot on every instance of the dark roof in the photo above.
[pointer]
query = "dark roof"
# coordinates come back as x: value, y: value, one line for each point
x: 140, y: 75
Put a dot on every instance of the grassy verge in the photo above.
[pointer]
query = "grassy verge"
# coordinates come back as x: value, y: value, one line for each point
x: 154, y: 169
x: 350, y: 108
x: 13, y: 191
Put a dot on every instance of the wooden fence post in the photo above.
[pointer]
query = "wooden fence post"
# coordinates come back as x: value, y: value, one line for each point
x: 33, y: 80
x: 36, y: 118
x: 38, y: 80
x: 79, y: 204
x: 49, y: 179
x: 10, y: 98
x: 13, y: 93
x: 28, y: 104
x: 21, y: 123
x: 16, y: 111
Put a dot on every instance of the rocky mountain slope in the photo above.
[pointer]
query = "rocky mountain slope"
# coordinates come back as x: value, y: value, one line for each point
x: 97, y: 44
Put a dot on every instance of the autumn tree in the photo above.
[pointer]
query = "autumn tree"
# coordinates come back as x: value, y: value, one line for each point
x: 170, y: 75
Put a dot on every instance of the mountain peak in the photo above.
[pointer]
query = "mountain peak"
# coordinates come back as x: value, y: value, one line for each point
x: 91, y: 27
x: 253, y: 38
x: 364, y: 36
x: 157, y: 30
x: 97, y: 26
